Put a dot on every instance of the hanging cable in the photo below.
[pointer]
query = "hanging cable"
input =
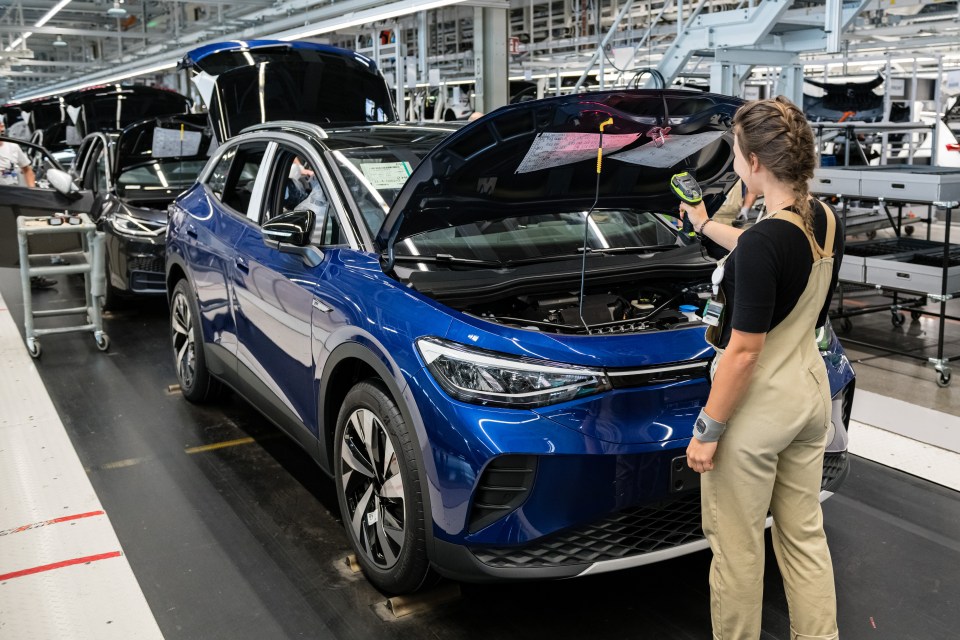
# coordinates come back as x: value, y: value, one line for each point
x: 586, y: 223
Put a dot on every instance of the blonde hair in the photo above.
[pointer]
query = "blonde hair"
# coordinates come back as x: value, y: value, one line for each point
x: 778, y: 134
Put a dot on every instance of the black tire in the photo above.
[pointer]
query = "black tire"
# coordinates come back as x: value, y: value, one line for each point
x: 897, y: 319
x: 378, y: 487
x: 111, y: 297
x: 196, y: 383
x: 845, y: 325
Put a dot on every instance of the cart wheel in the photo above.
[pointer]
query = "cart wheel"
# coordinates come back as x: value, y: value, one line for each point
x: 897, y: 319
x: 943, y: 380
x: 845, y: 325
x: 871, y: 234
x: 908, y: 229
x: 103, y: 341
x: 915, y: 315
x: 33, y: 346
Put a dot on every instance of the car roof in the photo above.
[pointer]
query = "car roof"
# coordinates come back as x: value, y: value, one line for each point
x: 339, y: 138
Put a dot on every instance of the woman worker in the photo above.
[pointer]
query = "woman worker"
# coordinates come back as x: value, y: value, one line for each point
x: 760, y: 439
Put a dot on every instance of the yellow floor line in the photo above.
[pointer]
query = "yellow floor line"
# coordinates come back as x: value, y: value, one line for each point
x: 219, y: 445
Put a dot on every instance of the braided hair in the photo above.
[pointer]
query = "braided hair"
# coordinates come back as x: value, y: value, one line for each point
x: 778, y: 134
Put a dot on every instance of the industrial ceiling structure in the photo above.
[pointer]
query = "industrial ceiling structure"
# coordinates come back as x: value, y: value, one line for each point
x: 49, y: 46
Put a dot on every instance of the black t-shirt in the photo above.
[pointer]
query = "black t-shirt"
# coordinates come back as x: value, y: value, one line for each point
x: 766, y: 274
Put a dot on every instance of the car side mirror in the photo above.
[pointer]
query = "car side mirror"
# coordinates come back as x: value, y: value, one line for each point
x: 290, y: 233
x: 292, y: 228
x: 63, y: 183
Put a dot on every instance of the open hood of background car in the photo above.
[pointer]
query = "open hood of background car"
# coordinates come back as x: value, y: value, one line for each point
x: 113, y: 107
x: 186, y: 136
x: 247, y: 83
x: 530, y: 156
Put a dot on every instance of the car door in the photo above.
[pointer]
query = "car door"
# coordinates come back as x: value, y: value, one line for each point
x: 42, y: 200
x: 279, y: 296
x: 93, y: 171
x: 218, y: 215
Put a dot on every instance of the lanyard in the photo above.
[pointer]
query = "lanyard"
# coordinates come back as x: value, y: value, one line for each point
x: 717, y: 277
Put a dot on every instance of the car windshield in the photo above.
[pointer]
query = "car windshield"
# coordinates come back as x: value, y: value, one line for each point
x: 543, y: 235
x: 375, y: 175
x: 158, y: 179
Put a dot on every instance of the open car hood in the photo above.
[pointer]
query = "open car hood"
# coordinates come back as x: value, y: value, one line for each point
x: 543, y: 153
x: 114, y: 107
x: 186, y: 136
x: 243, y: 83
x: 156, y: 159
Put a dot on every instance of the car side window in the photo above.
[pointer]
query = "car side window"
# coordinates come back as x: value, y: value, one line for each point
x: 237, y: 188
x: 296, y: 186
x: 234, y: 175
x: 218, y: 177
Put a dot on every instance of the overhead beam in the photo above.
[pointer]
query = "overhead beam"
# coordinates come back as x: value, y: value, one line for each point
x: 91, y: 33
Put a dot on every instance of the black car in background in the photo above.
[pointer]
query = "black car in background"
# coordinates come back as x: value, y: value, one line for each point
x: 133, y: 176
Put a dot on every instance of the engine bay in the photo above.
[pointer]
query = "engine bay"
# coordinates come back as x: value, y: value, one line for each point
x: 626, y: 309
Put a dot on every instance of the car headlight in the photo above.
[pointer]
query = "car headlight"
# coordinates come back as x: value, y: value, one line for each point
x: 502, y: 380
x: 131, y: 226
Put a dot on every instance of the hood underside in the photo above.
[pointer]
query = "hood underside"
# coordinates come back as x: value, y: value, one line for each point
x: 541, y: 154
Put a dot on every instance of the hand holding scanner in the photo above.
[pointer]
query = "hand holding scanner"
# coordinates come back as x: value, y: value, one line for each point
x: 686, y: 187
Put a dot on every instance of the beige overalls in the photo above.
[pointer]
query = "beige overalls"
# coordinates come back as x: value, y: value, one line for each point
x: 771, y: 457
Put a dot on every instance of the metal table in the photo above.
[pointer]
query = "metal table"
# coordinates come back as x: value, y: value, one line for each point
x: 932, y: 271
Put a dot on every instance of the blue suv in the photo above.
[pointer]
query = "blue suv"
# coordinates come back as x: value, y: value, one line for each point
x: 485, y: 343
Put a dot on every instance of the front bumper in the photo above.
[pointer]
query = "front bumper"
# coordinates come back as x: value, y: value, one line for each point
x: 630, y: 538
x: 136, y: 266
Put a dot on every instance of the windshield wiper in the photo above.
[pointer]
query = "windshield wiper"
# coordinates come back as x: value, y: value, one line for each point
x: 644, y: 249
x: 446, y: 258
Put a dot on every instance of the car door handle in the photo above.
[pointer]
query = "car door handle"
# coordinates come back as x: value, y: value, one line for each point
x: 192, y: 231
x: 241, y: 264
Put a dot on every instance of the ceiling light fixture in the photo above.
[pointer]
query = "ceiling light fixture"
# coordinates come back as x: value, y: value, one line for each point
x: 59, y: 42
x: 356, y: 18
x: 42, y: 21
x: 116, y: 11
x: 353, y: 19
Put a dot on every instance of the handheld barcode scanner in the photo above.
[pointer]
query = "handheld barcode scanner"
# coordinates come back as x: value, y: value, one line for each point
x: 687, y: 189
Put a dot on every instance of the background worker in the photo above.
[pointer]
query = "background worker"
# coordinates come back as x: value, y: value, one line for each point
x: 760, y: 439
x: 14, y: 163
x: 736, y: 208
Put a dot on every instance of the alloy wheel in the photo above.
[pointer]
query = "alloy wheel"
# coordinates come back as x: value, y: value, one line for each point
x: 184, y: 346
x: 373, y: 488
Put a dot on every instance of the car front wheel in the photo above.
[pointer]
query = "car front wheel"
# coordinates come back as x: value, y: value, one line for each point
x: 379, y: 490
x: 196, y: 383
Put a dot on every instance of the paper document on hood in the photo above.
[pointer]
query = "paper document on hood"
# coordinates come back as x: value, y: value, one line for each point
x: 674, y: 150
x: 557, y: 149
x: 173, y: 143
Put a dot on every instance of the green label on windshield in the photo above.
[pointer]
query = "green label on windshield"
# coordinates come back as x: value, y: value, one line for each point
x: 386, y: 175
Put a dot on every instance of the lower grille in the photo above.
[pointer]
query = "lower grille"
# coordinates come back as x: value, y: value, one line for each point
x: 834, y: 470
x: 629, y: 533
x: 145, y: 263
x: 503, y: 487
x: 633, y: 532
x: 147, y: 282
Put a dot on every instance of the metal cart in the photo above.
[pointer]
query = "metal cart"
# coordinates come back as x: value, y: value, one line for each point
x: 928, y: 271
x: 86, y: 259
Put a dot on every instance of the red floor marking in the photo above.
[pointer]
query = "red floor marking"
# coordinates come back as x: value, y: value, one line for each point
x: 58, y: 565
x: 34, y: 525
